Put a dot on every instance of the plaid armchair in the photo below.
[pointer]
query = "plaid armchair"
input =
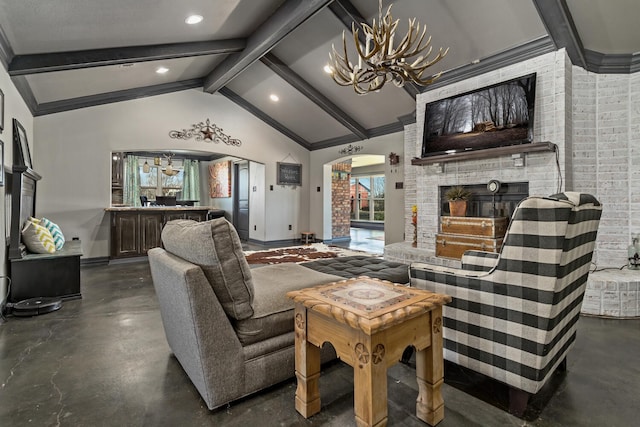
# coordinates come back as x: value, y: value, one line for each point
x: 513, y: 315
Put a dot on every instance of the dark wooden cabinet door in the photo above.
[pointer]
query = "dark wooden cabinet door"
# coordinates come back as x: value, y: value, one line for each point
x: 196, y: 215
x: 170, y: 216
x: 150, y: 225
x: 125, y: 239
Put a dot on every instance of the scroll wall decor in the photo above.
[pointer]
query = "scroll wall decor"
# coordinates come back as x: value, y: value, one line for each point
x: 205, y: 131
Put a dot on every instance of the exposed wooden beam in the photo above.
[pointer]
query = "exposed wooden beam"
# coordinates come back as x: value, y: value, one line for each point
x: 511, y: 56
x: 347, y: 13
x: 231, y: 95
x: 284, y: 20
x: 111, y: 97
x: 6, y: 53
x: 290, y: 76
x: 348, y: 139
x: 612, y: 63
x: 557, y: 20
x: 26, y: 93
x: 58, y: 61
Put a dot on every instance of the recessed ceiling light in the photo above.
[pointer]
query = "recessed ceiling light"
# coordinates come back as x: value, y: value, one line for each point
x: 274, y: 97
x: 328, y: 69
x: 162, y: 70
x: 194, y: 19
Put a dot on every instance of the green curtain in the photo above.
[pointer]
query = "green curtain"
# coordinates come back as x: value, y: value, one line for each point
x: 191, y: 182
x: 131, y: 181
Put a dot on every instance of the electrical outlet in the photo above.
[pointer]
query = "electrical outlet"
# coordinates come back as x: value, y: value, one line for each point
x: 255, y: 228
x: 290, y: 227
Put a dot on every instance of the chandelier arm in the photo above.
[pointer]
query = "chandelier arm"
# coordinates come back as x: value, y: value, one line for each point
x: 339, y: 67
x: 384, y: 62
x: 403, y: 46
x: 419, y: 46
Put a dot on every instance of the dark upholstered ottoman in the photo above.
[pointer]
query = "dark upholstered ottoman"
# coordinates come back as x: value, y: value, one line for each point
x: 355, y: 266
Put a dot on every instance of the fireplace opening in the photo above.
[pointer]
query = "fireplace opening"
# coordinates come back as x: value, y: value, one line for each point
x: 484, y: 203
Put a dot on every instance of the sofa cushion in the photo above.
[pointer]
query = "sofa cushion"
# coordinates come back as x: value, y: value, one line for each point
x: 272, y: 310
x: 215, y: 247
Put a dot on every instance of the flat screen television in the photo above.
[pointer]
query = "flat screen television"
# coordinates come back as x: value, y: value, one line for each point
x: 493, y: 116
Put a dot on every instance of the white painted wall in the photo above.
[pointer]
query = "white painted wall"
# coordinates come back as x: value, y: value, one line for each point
x: 320, y: 202
x: 72, y: 149
x: 14, y: 107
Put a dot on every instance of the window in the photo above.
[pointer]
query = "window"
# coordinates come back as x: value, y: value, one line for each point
x: 157, y: 183
x: 367, y: 198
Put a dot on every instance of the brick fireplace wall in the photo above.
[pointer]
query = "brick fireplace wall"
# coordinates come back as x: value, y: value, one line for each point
x: 593, y: 119
x: 340, y: 200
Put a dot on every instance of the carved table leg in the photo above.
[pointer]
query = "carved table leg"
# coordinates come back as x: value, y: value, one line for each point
x: 430, y: 375
x: 307, y: 367
x: 370, y: 385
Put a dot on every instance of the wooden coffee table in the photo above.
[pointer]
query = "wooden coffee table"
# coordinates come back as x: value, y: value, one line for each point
x: 370, y: 322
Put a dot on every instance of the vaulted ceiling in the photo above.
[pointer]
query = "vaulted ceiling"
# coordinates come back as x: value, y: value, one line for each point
x: 69, y: 54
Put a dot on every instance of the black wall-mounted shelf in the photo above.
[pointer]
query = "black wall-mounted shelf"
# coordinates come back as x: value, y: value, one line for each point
x: 485, y: 153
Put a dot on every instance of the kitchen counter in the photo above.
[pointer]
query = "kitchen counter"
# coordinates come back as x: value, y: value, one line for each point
x: 136, y: 229
x: 160, y: 208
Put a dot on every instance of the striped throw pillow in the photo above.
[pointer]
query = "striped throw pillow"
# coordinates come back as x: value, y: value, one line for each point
x: 37, y: 238
x: 56, y: 233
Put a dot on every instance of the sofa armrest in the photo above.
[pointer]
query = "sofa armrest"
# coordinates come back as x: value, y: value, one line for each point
x: 197, y: 328
x: 479, y: 260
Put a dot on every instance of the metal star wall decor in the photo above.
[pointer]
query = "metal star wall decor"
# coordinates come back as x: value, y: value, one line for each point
x: 351, y: 149
x: 205, y: 131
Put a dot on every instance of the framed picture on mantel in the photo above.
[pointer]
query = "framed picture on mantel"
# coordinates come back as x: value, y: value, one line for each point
x: 21, y: 153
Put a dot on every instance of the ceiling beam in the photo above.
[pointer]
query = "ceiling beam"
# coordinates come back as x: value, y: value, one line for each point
x: 6, y: 53
x: 347, y: 13
x: 22, y: 85
x: 59, y: 61
x: 290, y: 76
x: 111, y: 97
x: 502, y: 59
x: 283, y: 21
x: 557, y: 20
x: 232, y: 96
x: 612, y: 63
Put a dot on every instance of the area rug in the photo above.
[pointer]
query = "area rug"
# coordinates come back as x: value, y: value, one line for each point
x: 299, y: 254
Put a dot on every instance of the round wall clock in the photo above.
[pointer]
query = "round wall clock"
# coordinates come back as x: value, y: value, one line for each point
x: 493, y: 186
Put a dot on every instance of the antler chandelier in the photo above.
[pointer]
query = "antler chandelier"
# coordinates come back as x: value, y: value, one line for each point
x: 379, y: 61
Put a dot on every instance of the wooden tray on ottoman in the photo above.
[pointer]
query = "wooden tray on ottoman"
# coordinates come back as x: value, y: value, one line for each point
x: 474, y: 226
x: 454, y: 245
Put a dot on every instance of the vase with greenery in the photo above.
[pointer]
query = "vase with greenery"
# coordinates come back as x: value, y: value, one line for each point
x: 457, y: 197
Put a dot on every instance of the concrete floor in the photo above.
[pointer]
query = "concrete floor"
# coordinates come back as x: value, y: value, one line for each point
x: 104, y: 361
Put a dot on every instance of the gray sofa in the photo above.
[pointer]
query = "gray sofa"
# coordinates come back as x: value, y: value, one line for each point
x: 229, y: 326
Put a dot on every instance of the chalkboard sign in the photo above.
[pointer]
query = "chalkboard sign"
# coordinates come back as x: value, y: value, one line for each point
x: 289, y: 174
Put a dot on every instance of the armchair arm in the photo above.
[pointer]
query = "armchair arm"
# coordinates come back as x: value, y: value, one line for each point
x: 418, y: 266
x: 479, y: 260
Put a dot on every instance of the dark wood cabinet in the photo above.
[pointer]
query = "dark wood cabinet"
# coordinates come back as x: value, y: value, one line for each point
x: 135, y: 231
x: 124, y: 235
x: 150, y: 229
x: 37, y: 275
